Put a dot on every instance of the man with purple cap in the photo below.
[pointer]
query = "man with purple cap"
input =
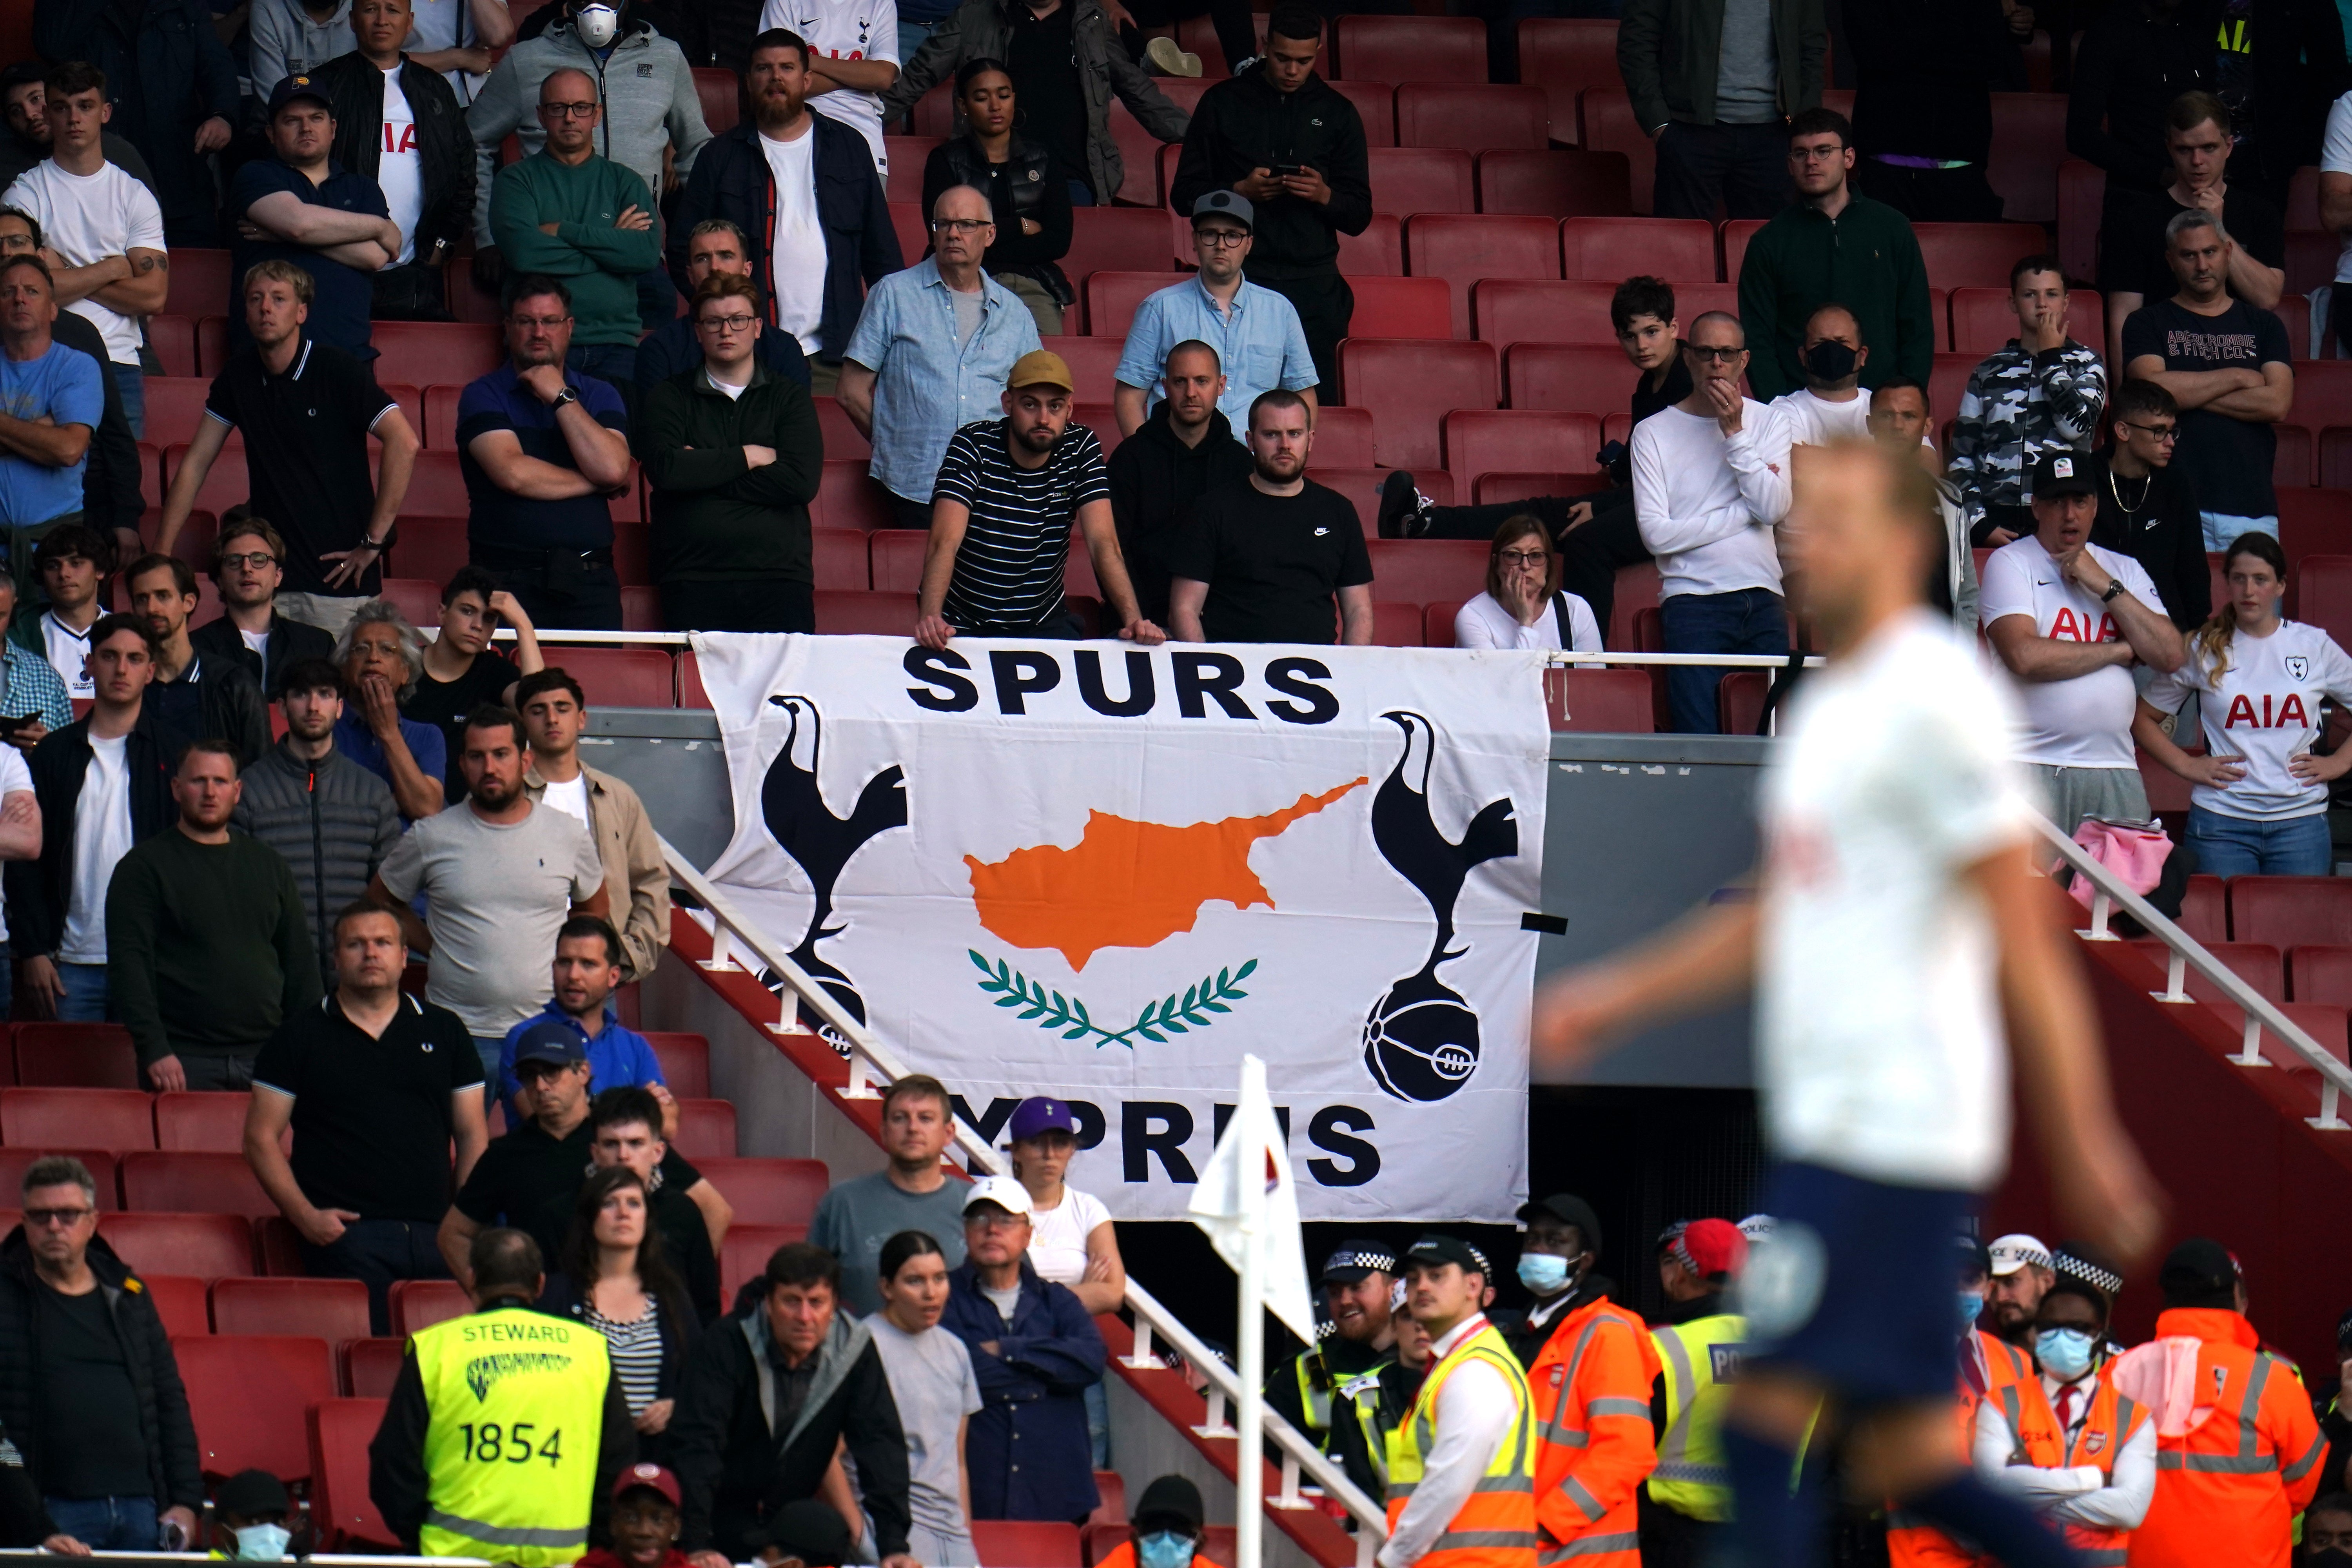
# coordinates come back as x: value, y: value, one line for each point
x: 1332, y: 1391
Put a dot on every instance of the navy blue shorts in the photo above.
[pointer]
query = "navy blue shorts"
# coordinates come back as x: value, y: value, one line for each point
x: 1858, y: 1288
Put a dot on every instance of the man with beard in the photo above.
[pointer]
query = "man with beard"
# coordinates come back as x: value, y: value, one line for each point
x: 192, y: 700
x: 248, y: 567
x: 2022, y: 1275
x: 1007, y: 493
x: 1180, y: 454
x: 1264, y: 557
x: 1332, y: 1390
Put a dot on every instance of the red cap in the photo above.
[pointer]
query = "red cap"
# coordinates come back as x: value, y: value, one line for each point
x: 1711, y: 1247
x: 653, y: 1476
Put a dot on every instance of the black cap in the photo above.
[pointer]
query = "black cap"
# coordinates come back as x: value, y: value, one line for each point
x: 1569, y: 1209
x: 1170, y: 1500
x: 290, y: 88
x: 1357, y: 1259
x: 551, y: 1041
x: 1973, y: 1258
x: 2199, y: 1267
x: 251, y: 1494
x: 809, y: 1530
x: 1439, y: 1248
x: 2065, y: 473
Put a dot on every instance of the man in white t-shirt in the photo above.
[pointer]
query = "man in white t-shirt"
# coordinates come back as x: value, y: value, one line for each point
x: 1897, y: 923
x: 1832, y: 403
x: 2069, y: 619
x: 2335, y: 203
x: 1710, y: 483
x: 852, y: 60
x: 104, y: 229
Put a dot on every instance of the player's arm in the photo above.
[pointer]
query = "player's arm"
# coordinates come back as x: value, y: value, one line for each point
x: 1707, y: 957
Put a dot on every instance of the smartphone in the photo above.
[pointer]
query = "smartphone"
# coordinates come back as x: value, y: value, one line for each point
x: 10, y: 727
x: 1283, y: 171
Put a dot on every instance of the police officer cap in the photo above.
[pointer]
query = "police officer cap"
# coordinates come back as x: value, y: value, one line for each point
x: 808, y: 1529
x: 1170, y: 1502
x: 1357, y: 1259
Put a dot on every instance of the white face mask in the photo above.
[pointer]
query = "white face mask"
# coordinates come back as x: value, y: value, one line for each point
x: 262, y: 1542
x: 597, y: 24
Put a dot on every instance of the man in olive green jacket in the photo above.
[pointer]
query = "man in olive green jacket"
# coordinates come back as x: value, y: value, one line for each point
x: 1713, y: 83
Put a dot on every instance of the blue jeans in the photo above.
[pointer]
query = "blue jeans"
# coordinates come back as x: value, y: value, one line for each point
x: 2221, y: 529
x: 1752, y: 620
x: 912, y: 35
x: 490, y: 1048
x: 1081, y: 193
x: 2240, y: 847
x: 85, y: 1001
x: 132, y: 383
x: 107, y: 1523
x: 616, y: 362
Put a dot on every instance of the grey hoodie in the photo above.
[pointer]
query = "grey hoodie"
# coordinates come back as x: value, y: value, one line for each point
x: 646, y: 87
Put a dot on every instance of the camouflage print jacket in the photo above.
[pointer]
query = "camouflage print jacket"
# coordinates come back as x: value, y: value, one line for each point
x: 2019, y: 405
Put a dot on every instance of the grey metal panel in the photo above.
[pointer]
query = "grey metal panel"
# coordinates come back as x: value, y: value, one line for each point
x: 672, y: 758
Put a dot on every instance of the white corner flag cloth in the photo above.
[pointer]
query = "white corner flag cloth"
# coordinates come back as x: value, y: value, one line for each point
x: 1251, y: 1156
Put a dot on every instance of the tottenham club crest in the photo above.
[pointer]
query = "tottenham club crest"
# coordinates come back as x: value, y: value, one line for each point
x: 2298, y: 669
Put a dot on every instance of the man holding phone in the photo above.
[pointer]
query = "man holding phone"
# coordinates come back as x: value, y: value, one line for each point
x: 1293, y: 146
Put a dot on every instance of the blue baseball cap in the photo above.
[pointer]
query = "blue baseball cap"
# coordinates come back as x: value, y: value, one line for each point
x: 290, y: 88
x: 558, y: 1044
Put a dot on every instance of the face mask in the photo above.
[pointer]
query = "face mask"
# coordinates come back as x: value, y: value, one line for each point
x: 1830, y: 360
x: 1164, y: 1549
x: 262, y: 1543
x: 2065, y: 1353
x: 1971, y: 1308
x: 597, y: 24
x: 1542, y: 1272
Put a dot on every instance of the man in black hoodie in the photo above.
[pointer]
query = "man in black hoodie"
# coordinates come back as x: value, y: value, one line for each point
x: 1183, y: 450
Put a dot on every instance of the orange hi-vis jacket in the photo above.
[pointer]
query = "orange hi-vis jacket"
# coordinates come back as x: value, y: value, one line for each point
x: 2004, y: 1375
x: 1594, y: 1443
x: 2228, y: 1489
x: 2111, y: 1422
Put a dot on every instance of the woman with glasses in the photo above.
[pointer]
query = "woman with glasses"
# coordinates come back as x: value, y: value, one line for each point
x: 616, y: 1278
x: 1523, y: 605
x: 1027, y: 187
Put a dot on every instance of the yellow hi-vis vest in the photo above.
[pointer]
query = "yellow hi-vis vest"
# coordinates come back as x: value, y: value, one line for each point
x: 1702, y: 1357
x: 1496, y: 1528
x: 516, y: 1415
x: 1322, y: 1392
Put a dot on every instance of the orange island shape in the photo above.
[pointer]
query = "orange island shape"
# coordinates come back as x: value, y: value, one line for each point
x: 1126, y: 883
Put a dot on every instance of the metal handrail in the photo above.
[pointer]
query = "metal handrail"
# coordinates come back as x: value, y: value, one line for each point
x: 2185, y: 953
x: 871, y: 1064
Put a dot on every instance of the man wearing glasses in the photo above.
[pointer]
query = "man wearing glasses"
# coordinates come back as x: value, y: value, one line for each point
x: 1255, y: 332
x: 2148, y: 507
x: 251, y: 631
x: 931, y: 353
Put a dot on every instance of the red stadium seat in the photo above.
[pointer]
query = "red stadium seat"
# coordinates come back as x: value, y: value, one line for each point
x: 2294, y: 311
x: 175, y: 408
x: 418, y: 598
x: 1437, y: 621
x: 1361, y: 487
x: 2255, y: 962
x: 1465, y: 248
x: 15, y: 1159
x: 1637, y: 591
x: 212, y: 345
x: 2205, y: 910
x: 907, y: 217
x: 621, y: 677
x: 2321, y: 972
x: 1344, y: 437
x: 1567, y: 55
x: 1377, y: 252
x: 641, y: 608
x: 1402, y: 307
x: 1412, y: 383
x: 436, y: 353
x: 1396, y: 626
x: 2315, y: 522
x: 224, y: 485
x: 934, y: 115
x: 1680, y: 250
x: 842, y: 438
x: 174, y: 338
x: 116, y: 1120
x: 745, y: 1253
x: 1575, y: 310
x: 869, y: 614
x: 1482, y: 441
x: 1053, y: 1544
x: 706, y: 1128
x: 201, y: 1122
x: 249, y: 1394
x: 2325, y: 1025
x: 1606, y: 702
x: 1118, y: 239
x: 76, y: 1056
x: 2029, y: 142
x: 1423, y: 179
x: 2322, y: 595
x: 839, y: 557
x: 1946, y: 381
x: 1609, y: 127
x: 341, y: 1512
x: 1570, y: 379
x: 848, y: 497
x: 1111, y: 300
x: 371, y: 1366
x: 1736, y: 233
x: 1446, y: 114
x: 1976, y: 255
x: 331, y: 1309
x: 207, y: 1246
x: 431, y: 549
x: 1138, y: 151
x: 436, y: 487
x: 181, y: 1301
x: 2082, y: 190
x: 200, y: 281
x: 684, y: 1062
x: 768, y: 1192
x: 1093, y: 363
x: 908, y: 157
x: 1413, y: 48
x: 1099, y: 419
x: 1739, y: 698
x: 720, y: 96
x: 2310, y: 261
x: 440, y: 432
x: 157, y: 1183
x: 1418, y: 571
x: 1554, y: 184
x: 895, y: 560
x: 2292, y: 458
x: 1375, y: 104
x: 421, y: 1304
x: 1982, y: 321
x: 2287, y: 910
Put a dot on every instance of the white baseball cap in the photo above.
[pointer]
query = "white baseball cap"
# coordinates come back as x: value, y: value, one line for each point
x: 1004, y: 1192
x: 2014, y: 1251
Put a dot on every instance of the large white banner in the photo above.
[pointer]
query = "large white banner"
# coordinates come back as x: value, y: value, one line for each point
x: 1104, y: 873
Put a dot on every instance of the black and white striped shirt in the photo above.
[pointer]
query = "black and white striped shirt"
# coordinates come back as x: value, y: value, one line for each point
x: 1008, y: 571
x: 637, y: 1353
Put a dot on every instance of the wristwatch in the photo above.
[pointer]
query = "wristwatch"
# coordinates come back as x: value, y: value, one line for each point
x: 391, y: 536
x: 563, y: 397
x: 2114, y: 586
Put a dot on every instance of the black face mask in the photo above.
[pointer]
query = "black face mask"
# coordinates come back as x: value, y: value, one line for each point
x: 2330, y: 1558
x: 1830, y: 360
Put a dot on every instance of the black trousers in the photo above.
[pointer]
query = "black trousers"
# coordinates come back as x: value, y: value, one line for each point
x: 1932, y: 196
x: 376, y: 1252
x: 1589, y: 555
x: 1745, y: 167
x: 1669, y: 1538
x: 740, y: 604
x: 560, y: 590
x: 905, y: 513
x: 410, y: 293
x: 1324, y: 305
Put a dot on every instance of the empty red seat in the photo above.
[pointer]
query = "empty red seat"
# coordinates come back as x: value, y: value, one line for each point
x: 1140, y: 182
x: 1413, y: 48
x: 684, y: 1062
x: 897, y: 558
x: 248, y: 1393
x: 1508, y: 310
x: 200, y: 282
x: 1417, y: 571
x: 1118, y: 239
x: 1423, y: 179
x: 1680, y: 250
x: 1606, y: 701
x: 2322, y: 595
x: 1052, y: 1544
x: 838, y: 555
x: 1409, y: 385
x: 2321, y: 972
x: 621, y: 677
x: 176, y: 405
x: 225, y: 484
x: 719, y: 93
x: 205, y: 1245
x: 371, y: 1366
x: 908, y: 157
x: 1982, y: 321
x: 2205, y: 910
x: 1554, y: 184
x: 849, y: 497
x: 842, y: 436
x: 744, y: 1254
x: 1401, y: 308
x: 1344, y: 437
x: 1976, y: 255
x: 1570, y: 379
x: 1946, y: 380
x: 2255, y: 962
x: 1396, y: 626
x: 1480, y: 441
x: 841, y: 612
x: 1094, y: 364
x: 421, y: 1304
x: 14, y: 1160
x: 212, y: 345
x: 2322, y: 393
x: 1566, y: 56
x: 156, y: 1182
x: 2029, y: 142
x: 1375, y: 104
x: 641, y: 607
x: 1476, y: 116
x: 706, y: 1128
x: 192, y: 1120
x: 1112, y: 297
x: 174, y: 338
x: 768, y: 1192
x: 2289, y: 911
x: 1377, y: 252
x: 116, y: 1120
x: 338, y: 1432
x: 1609, y: 127
x: 331, y: 1309
x: 1462, y: 248
x: 180, y: 1301
x: 2335, y: 466
x: 2292, y: 458
x: 76, y: 1056
x: 436, y: 353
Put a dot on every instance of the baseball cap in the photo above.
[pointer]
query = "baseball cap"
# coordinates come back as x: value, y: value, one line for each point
x: 290, y: 88
x: 1226, y: 203
x: 2064, y: 474
x: 1042, y: 1113
x: 553, y: 1042
x: 1171, y: 1499
x: 1003, y: 1192
x: 654, y: 1477
x: 2199, y: 1267
x: 1439, y: 1248
x: 1973, y: 1259
x: 1355, y: 1260
x: 250, y: 1494
x: 1039, y: 367
x: 1569, y: 1209
x: 2015, y: 1251
x: 810, y: 1530
x: 1711, y: 1246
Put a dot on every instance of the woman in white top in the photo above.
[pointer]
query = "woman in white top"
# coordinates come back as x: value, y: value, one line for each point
x: 1523, y: 605
x: 616, y: 1278
x: 933, y: 1381
x: 1071, y: 1239
x: 2261, y: 801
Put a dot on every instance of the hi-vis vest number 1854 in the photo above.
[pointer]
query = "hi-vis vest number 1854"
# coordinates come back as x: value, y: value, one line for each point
x: 518, y: 1413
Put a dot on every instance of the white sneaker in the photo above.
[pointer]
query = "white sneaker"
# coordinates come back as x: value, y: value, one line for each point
x: 1170, y: 59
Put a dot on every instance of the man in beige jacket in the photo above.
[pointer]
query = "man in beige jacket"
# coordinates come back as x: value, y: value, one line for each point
x: 554, y: 715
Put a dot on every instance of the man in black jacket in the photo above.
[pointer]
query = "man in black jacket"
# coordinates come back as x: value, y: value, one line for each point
x: 422, y: 136
x: 1184, y: 451
x: 193, y: 698
x: 2147, y: 509
x: 89, y: 1390
x: 771, y: 1392
x: 248, y: 568
x: 732, y: 179
x: 1293, y: 145
x: 714, y: 245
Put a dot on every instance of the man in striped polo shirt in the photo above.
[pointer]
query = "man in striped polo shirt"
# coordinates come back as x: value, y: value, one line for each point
x: 1007, y: 493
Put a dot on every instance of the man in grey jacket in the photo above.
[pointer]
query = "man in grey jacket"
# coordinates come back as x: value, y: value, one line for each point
x: 650, y: 106
x: 332, y: 820
x: 1713, y: 83
x: 1019, y: 32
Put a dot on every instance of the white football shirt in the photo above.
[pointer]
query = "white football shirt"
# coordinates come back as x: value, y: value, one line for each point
x: 1878, y: 1026
x: 399, y: 168
x: 85, y: 218
x: 68, y: 651
x: 844, y: 31
x: 796, y: 266
x: 2264, y: 709
x: 2085, y: 723
x: 1815, y: 421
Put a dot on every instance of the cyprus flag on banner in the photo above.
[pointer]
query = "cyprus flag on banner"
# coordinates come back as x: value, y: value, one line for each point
x: 1106, y: 873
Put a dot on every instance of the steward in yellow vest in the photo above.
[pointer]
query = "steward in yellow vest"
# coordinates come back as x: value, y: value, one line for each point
x: 506, y: 1426
x: 1699, y: 1346
x: 1334, y: 1391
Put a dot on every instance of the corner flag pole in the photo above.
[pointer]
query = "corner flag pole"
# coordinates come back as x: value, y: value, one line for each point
x: 1249, y: 1484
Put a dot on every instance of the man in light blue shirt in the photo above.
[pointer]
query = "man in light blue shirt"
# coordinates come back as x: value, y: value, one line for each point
x: 50, y: 401
x: 1255, y: 330
x: 931, y: 352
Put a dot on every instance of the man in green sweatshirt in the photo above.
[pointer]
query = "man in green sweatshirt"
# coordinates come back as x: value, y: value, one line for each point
x: 566, y: 212
x: 207, y: 946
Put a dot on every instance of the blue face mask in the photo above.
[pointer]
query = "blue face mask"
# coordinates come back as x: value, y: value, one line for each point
x: 1971, y: 1308
x: 2064, y: 1353
x: 1164, y: 1549
x: 262, y: 1543
x: 1543, y: 1272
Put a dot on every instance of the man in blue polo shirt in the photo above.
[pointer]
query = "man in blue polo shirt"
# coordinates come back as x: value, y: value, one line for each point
x: 540, y: 447
x: 1255, y: 330
x: 51, y: 399
x: 587, y: 971
x: 304, y: 207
